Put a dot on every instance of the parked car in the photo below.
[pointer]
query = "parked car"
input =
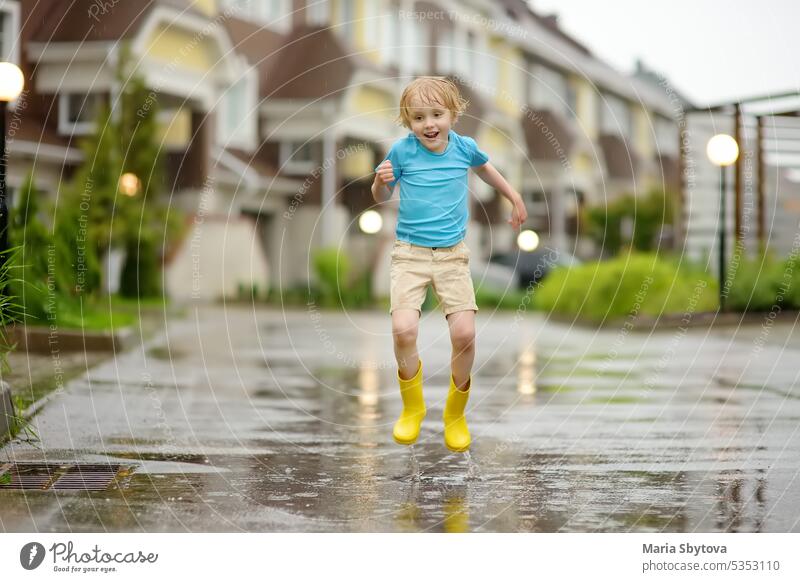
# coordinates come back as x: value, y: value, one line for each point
x: 534, y: 266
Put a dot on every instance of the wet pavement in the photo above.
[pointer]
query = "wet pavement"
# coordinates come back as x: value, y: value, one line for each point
x: 235, y: 419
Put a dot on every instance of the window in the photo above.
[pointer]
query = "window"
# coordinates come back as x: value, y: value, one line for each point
x: 550, y: 90
x: 298, y: 157
x: 666, y: 135
x: 3, y: 36
x: 9, y: 31
x: 370, y: 24
x: 390, y: 37
x: 472, y: 56
x: 347, y: 19
x: 615, y: 116
x: 415, y: 45
x: 318, y: 12
x: 275, y: 13
x: 444, y: 51
x: 77, y: 112
x: 239, y: 113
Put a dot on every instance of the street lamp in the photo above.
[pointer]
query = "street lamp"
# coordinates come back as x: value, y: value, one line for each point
x: 528, y: 240
x: 723, y: 151
x: 11, y: 84
x: 370, y: 222
x: 129, y: 184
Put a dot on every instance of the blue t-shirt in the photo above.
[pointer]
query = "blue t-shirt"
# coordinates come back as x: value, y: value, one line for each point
x: 434, y: 206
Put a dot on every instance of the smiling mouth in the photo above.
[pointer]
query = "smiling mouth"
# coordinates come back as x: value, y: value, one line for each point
x: 431, y: 135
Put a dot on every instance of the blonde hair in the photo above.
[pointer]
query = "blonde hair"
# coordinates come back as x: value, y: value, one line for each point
x: 430, y: 90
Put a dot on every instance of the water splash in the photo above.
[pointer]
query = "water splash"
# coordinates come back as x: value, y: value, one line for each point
x: 473, y: 474
x: 416, y: 472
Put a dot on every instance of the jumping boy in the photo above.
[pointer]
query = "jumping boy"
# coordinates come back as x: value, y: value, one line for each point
x: 431, y: 164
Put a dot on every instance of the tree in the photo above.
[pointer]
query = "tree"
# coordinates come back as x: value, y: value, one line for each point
x: 124, y: 145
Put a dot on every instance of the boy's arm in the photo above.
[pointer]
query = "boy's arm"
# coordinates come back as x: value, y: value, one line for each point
x: 380, y: 192
x: 489, y: 174
x: 384, y: 176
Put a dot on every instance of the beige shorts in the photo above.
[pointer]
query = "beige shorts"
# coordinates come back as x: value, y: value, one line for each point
x: 446, y: 268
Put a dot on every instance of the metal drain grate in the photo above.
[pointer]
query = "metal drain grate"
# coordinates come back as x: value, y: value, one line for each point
x: 61, y: 477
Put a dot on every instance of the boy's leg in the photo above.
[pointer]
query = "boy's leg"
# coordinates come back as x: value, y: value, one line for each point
x: 405, y: 326
x: 405, y: 323
x: 462, y: 338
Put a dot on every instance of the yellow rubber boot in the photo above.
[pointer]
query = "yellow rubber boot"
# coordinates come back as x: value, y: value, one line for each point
x: 406, y: 429
x: 456, y: 432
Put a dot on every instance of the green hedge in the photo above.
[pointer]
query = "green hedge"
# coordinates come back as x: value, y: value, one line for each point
x: 763, y: 281
x: 642, y: 283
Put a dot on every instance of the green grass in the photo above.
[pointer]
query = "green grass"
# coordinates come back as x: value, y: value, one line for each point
x: 93, y: 315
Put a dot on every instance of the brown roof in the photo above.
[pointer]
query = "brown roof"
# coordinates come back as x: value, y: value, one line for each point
x: 255, y: 161
x: 90, y: 20
x: 621, y: 161
x: 548, y: 136
x: 469, y: 122
x: 257, y: 43
x: 312, y: 64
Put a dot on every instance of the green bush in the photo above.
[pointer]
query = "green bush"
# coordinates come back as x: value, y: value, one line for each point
x: 141, y: 272
x: 755, y: 284
x: 648, y: 214
x: 34, y: 253
x: 510, y: 299
x: 791, y: 281
x: 332, y: 268
x: 337, y: 287
x: 632, y: 283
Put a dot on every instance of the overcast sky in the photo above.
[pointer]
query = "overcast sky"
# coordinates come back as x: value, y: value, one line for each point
x: 710, y: 50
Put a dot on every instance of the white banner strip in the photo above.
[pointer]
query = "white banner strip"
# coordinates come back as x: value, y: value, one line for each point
x: 405, y: 557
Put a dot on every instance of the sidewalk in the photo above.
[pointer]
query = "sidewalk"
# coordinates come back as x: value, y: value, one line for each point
x: 232, y: 420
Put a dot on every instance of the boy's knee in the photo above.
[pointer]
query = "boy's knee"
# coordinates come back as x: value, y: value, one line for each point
x: 405, y: 335
x: 463, y: 337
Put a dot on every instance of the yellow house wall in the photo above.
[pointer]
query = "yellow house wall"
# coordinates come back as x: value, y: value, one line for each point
x: 374, y: 102
x: 176, y: 132
x: 642, y: 133
x: 182, y: 47
x: 207, y: 7
x: 586, y: 106
x: 509, y: 94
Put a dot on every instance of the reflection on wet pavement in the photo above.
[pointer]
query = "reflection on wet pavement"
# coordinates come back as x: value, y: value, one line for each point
x: 238, y: 422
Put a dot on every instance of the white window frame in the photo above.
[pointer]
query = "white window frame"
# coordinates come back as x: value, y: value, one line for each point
x: 11, y: 31
x: 390, y: 39
x: 245, y: 135
x: 288, y: 164
x: 347, y: 22
x: 370, y: 23
x: 615, y: 116
x: 414, y: 48
x: 318, y: 12
x: 275, y: 14
x: 67, y: 127
x: 445, y: 52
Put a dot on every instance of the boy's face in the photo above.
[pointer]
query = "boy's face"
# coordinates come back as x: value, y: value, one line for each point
x: 431, y: 123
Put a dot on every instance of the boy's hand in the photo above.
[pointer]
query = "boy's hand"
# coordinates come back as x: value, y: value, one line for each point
x: 518, y: 214
x: 384, y: 174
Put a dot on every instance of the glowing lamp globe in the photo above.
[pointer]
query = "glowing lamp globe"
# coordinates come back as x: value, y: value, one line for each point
x: 11, y: 81
x: 370, y: 222
x: 722, y: 150
x: 527, y: 240
x: 129, y: 184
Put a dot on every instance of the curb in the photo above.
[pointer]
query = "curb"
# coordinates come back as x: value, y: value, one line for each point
x: 7, y: 412
x: 43, y: 340
x: 672, y: 321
